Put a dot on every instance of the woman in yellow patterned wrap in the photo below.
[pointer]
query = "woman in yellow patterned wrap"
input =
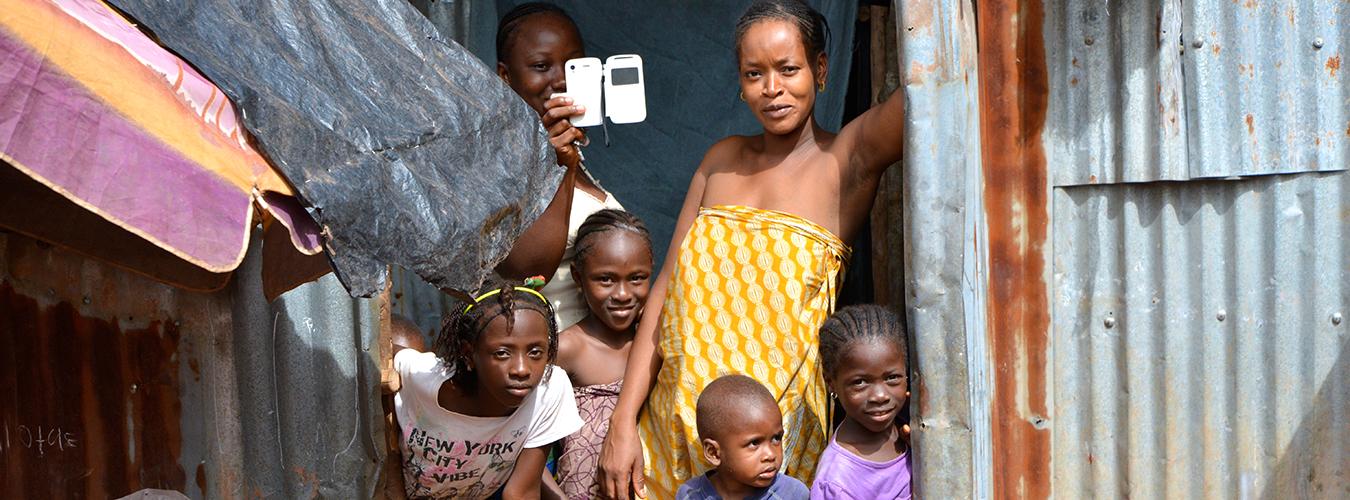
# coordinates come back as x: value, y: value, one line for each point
x: 755, y: 262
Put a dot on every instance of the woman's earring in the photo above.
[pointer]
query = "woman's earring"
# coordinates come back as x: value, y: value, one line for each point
x: 742, y: 96
x: 821, y: 87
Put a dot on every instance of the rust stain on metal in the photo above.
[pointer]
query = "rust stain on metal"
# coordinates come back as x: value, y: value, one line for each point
x: 87, y: 409
x: 1333, y: 64
x: 1251, y: 127
x: 1014, y: 93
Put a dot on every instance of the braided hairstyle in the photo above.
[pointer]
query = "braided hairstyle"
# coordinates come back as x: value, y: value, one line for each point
x: 601, y: 222
x: 810, y: 23
x: 461, y: 330
x: 853, y: 325
x: 506, y: 28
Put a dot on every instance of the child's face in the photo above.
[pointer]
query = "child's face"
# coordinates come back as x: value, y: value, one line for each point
x: 615, y: 278
x: 533, y: 67
x: 871, y: 383
x: 751, y: 453
x: 509, y: 363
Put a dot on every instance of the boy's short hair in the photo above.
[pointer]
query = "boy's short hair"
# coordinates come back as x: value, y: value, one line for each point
x: 723, y: 399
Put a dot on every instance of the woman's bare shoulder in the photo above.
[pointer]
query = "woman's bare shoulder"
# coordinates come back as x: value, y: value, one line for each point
x: 728, y: 152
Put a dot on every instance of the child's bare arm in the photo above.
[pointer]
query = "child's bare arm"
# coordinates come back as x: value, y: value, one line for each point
x: 526, y: 478
x: 403, y: 334
x: 540, y: 248
x: 550, y: 489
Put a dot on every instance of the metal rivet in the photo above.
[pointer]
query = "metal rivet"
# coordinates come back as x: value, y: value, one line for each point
x: 1336, y: 318
x: 86, y: 300
x: 1317, y: 43
x: 133, y: 388
x: 1109, y: 322
x: 1089, y: 41
x: 1222, y: 315
x: 1199, y: 42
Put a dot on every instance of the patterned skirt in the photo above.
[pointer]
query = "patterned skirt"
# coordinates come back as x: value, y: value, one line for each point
x: 748, y: 295
x: 581, y: 451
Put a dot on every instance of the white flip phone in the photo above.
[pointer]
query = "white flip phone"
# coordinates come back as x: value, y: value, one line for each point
x: 618, y: 82
x: 583, y: 86
x: 625, y: 89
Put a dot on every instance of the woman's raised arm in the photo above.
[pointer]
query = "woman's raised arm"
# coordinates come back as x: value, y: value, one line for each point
x: 621, y: 456
x: 875, y: 138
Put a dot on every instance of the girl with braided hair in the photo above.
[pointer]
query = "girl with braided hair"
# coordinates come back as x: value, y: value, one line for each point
x: 534, y: 41
x: 613, y: 266
x: 478, y: 414
x: 862, y: 355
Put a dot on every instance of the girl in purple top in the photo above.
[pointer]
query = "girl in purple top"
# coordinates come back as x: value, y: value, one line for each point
x: 862, y: 353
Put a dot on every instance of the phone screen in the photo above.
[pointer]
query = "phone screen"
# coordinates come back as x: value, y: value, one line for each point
x: 624, y: 76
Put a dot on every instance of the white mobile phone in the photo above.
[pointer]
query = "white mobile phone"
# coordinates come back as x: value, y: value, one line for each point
x: 583, y: 86
x: 625, y: 89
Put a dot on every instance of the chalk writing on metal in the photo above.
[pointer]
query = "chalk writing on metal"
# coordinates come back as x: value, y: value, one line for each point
x: 42, y: 439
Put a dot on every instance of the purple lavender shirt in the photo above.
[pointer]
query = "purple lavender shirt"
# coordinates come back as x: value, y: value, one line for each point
x: 843, y: 475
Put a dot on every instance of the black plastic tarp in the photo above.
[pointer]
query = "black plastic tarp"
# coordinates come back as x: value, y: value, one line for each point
x: 411, y: 151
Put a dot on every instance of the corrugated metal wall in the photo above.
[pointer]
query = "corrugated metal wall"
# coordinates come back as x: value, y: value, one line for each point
x: 1264, y: 89
x: 135, y: 384
x: 1196, y: 348
x: 1199, y: 347
x: 1104, y: 56
x: 942, y: 226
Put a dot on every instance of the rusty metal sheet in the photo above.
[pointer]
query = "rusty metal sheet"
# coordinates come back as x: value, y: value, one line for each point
x: 1117, y: 101
x: 1013, y: 104
x: 74, y: 387
x: 1201, y: 346
x: 1265, y: 93
x: 943, y: 232
x: 133, y: 384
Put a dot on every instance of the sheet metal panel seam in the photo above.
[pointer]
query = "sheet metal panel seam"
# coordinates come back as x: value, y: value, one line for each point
x: 975, y: 277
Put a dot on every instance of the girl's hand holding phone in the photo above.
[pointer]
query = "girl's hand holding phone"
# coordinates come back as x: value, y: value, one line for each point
x: 564, y: 137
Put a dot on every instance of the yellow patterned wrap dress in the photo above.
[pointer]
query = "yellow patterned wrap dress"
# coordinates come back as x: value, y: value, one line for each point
x: 748, y: 295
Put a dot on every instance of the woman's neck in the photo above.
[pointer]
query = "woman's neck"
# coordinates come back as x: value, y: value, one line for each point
x: 783, y: 145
